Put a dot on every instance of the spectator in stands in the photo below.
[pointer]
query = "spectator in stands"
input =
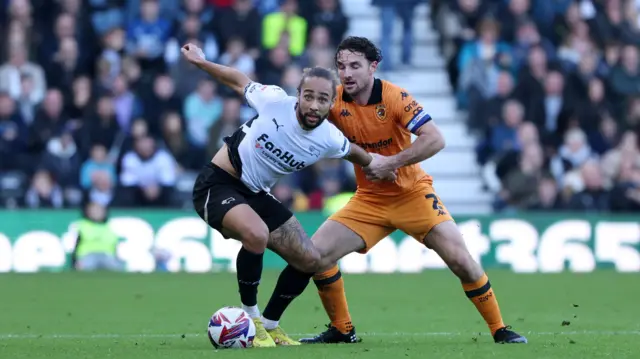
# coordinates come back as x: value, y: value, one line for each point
x: 520, y: 187
x: 548, y: 199
x: 161, y: 100
x: 526, y: 37
x: 101, y: 128
x: 554, y: 112
x: 516, y: 12
x: 62, y: 160
x: 126, y: 104
x: 237, y: 57
x: 388, y: 11
x: 625, y: 79
x: 13, y: 134
x: 49, y: 120
x: 625, y: 196
x: 195, y: 8
x: 228, y: 123
x: 18, y: 65
x: 80, y: 101
x: 240, y: 20
x: 201, y: 110
x: 594, y: 198
x: 319, y: 43
x: 44, y: 192
x: 504, y: 136
x: 291, y: 79
x: 271, y: 68
x: 575, y: 148
x: 51, y: 48
x: 114, y: 42
x: 187, y: 156
x: 65, y: 66
x: 97, y: 162
x: 147, y: 34
x: 286, y: 21
x: 479, y: 63
x: 191, y: 26
x: 626, y: 153
x: 330, y: 16
x: 148, y: 175
x: 28, y: 101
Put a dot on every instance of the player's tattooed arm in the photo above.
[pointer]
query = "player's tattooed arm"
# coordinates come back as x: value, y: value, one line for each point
x: 292, y: 243
x: 231, y: 77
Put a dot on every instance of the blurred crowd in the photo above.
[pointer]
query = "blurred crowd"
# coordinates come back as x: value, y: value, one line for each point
x: 552, y: 89
x: 97, y: 105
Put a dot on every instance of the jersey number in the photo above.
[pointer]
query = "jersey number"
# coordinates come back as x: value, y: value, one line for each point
x: 436, y: 203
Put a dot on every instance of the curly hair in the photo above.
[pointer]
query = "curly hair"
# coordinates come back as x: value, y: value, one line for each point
x: 320, y: 72
x: 359, y: 44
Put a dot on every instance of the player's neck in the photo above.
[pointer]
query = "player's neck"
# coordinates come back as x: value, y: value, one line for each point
x: 362, y: 98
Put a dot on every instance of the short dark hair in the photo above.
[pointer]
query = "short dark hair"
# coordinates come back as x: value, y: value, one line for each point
x: 362, y: 45
x: 320, y: 72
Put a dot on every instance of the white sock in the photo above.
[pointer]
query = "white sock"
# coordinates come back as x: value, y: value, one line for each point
x: 253, y: 311
x: 270, y: 324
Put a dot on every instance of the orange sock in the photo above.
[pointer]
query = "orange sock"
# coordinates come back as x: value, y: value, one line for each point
x: 331, y: 290
x: 482, y: 296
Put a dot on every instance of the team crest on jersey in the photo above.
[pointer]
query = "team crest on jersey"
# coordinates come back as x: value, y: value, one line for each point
x: 381, y: 112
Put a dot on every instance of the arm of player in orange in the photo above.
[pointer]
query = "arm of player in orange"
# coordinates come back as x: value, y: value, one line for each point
x: 409, y: 114
x: 429, y: 142
x: 231, y: 77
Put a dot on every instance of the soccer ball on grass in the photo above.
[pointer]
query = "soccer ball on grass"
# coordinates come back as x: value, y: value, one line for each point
x: 231, y: 327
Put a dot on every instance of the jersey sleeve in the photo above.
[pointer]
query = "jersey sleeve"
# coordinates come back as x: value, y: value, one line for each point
x: 410, y: 114
x: 338, y: 145
x: 259, y: 95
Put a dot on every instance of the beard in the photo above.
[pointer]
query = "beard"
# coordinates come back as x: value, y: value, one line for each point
x: 308, y: 121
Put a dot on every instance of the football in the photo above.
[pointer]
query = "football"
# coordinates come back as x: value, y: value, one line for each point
x: 231, y: 327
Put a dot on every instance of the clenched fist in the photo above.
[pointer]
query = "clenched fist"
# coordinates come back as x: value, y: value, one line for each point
x: 193, y: 54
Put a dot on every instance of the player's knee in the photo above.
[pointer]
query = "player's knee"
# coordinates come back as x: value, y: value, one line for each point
x: 325, y: 264
x: 310, y: 263
x: 255, y: 238
x: 465, y: 267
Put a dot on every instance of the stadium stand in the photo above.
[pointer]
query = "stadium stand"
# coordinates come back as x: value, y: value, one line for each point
x: 552, y: 93
x: 539, y: 101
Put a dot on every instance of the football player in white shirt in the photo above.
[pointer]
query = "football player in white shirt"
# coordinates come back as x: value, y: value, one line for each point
x: 232, y: 194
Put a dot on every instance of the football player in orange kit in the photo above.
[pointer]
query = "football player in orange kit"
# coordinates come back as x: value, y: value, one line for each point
x: 381, y: 117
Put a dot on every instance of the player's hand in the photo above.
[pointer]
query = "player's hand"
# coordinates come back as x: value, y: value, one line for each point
x: 193, y: 54
x: 380, y: 169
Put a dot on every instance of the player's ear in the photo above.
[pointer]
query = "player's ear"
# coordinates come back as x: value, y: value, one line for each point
x: 374, y: 66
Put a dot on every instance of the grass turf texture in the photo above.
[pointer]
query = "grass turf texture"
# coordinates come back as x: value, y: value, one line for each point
x: 75, y: 315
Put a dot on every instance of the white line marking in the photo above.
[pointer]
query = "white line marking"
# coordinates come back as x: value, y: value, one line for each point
x: 364, y: 335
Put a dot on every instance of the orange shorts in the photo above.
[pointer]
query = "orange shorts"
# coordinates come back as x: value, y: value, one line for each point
x: 375, y: 217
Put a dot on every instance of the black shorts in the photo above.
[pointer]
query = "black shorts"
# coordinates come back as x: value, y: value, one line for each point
x: 216, y: 192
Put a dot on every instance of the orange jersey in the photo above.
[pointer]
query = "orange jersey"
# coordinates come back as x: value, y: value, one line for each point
x: 383, y: 126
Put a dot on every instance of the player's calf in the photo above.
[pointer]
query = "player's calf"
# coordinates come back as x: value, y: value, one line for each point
x: 446, y: 240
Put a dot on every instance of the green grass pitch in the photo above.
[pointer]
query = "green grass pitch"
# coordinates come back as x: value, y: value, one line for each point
x: 74, y: 315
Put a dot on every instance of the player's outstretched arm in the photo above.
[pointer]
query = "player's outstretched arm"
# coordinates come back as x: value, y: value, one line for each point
x: 231, y: 77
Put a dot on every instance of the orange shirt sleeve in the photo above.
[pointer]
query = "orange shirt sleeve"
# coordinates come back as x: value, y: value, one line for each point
x: 410, y: 114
